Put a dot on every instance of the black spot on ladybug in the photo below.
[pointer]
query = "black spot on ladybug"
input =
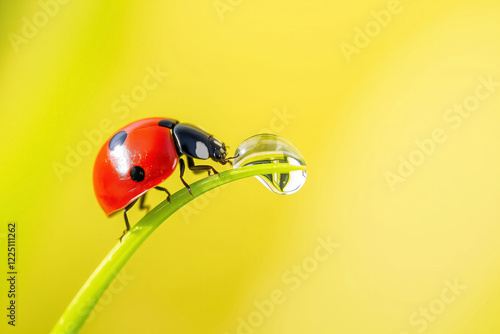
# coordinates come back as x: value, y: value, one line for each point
x: 137, y: 174
x: 117, y: 140
x: 168, y: 123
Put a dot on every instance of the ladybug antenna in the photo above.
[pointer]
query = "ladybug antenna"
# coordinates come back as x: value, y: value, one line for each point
x: 228, y: 160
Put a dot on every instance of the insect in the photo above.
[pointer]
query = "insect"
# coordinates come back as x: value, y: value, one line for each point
x: 145, y: 153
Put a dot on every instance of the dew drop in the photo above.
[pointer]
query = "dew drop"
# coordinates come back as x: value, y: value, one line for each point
x: 269, y: 148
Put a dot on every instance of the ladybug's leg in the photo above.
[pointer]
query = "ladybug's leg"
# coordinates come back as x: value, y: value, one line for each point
x: 183, y: 167
x: 127, y: 224
x: 142, y: 205
x: 165, y: 190
x: 197, y: 168
x: 128, y: 207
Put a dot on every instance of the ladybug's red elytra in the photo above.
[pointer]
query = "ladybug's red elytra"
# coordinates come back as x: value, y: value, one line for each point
x: 145, y: 153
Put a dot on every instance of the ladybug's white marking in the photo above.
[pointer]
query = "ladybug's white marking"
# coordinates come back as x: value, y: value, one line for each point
x: 120, y: 159
x: 201, y: 150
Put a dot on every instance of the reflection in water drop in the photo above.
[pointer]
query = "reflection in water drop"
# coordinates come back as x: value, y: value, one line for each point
x: 269, y: 148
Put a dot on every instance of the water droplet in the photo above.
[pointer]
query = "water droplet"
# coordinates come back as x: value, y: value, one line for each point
x: 269, y: 148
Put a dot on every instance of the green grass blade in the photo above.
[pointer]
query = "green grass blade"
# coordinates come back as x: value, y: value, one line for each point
x: 80, y: 307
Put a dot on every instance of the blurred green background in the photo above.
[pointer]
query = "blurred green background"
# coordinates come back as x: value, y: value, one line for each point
x: 359, y: 87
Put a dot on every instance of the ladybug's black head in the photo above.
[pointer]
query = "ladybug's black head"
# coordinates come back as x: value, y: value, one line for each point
x: 217, y: 150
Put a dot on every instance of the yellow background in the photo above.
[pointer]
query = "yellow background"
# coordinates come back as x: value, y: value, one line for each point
x: 205, y: 267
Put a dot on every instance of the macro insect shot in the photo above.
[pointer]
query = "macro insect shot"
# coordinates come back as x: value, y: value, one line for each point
x: 250, y: 167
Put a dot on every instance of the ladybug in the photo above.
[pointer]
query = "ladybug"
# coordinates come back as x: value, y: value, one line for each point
x: 145, y: 153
